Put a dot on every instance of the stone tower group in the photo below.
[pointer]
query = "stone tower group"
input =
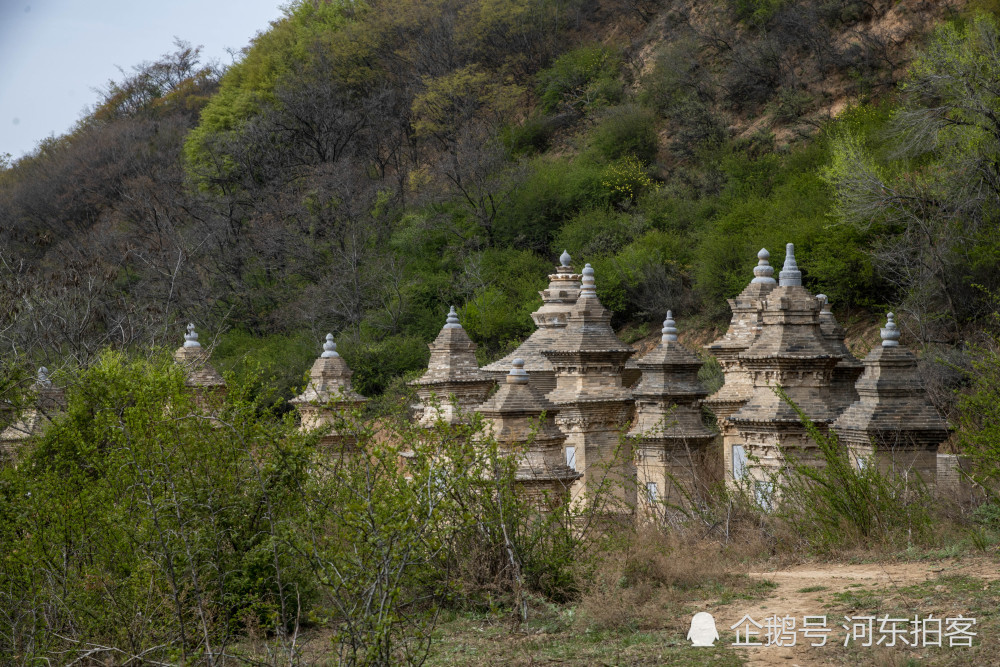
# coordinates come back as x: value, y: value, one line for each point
x: 581, y: 415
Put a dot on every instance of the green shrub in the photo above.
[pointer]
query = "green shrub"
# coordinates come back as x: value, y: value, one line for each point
x: 377, y: 361
x: 553, y: 191
x: 599, y: 232
x: 626, y: 130
x: 626, y: 180
x: 530, y: 137
x: 833, y: 503
x: 580, y: 79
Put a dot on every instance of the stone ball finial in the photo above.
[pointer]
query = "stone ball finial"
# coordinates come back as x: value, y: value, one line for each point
x: 890, y: 333
x: 790, y: 275
x: 517, y: 373
x: 588, y: 286
x: 565, y: 259
x: 669, y: 331
x: 43, y: 378
x: 452, y: 321
x: 329, y: 348
x: 763, y: 272
x: 191, y: 337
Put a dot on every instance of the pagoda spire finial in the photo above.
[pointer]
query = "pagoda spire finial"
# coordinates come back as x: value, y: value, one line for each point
x: 517, y: 373
x: 588, y: 287
x: 763, y: 272
x: 329, y: 348
x: 565, y: 259
x: 890, y: 333
x: 790, y: 275
x: 669, y: 331
x: 452, y: 321
x: 191, y: 337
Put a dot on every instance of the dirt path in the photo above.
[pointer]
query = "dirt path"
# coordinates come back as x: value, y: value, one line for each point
x: 807, y: 590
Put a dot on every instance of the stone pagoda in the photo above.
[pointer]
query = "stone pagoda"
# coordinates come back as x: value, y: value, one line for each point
x: 557, y: 301
x: 667, y: 433
x: 893, y: 421
x: 206, y: 382
x: 588, y: 360
x: 49, y: 400
x: 743, y: 330
x: 328, y: 394
x: 522, y: 421
x: 849, y: 368
x: 453, y: 385
x: 790, y: 353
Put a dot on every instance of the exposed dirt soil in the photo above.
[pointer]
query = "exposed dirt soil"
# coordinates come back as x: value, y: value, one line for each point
x: 810, y: 589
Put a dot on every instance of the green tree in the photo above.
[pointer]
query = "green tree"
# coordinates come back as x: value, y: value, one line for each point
x: 930, y: 191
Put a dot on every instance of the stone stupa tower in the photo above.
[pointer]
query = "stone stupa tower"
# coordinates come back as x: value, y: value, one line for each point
x: 328, y: 393
x: 744, y: 328
x: 790, y: 353
x: 848, y: 369
x: 893, y: 422
x: 668, y: 435
x: 453, y: 385
x: 49, y: 401
x: 557, y: 301
x: 201, y: 376
x: 588, y: 360
x: 522, y: 421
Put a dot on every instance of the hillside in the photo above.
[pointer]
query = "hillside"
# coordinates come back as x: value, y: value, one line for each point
x: 363, y: 167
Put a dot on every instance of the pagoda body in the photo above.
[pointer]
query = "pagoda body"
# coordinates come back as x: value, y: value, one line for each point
x: 849, y: 368
x: 453, y: 385
x: 208, y: 386
x: 893, y: 422
x: 790, y: 353
x: 49, y: 401
x: 588, y: 360
x: 557, y: 300
x: 737, y: 388
x: 668, y: 435
x: 328, y: 394
x: 522, y: 421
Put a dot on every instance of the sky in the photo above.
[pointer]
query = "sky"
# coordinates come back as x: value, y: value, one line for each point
x: 54, y: 53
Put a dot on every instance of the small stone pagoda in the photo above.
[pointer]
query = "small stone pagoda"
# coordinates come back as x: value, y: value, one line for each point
x: 522, y: 421
x: 790, y: 353
x: 667, y: 433
x: 49, y: 401
x: 849, y: 368
x: 893, y: 422
x: 557, y: 301
x: 206, y: 382
x: 453, y: 385
x: 328, y: 394
x: 588, y: 360
x: 744, y: 328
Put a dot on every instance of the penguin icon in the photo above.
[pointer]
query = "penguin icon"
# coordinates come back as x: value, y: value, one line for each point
x: 703, y: 632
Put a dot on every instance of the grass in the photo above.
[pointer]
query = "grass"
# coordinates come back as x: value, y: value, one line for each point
x: 567, y: 635
x: 944, y: 597
x: 812, y: 589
